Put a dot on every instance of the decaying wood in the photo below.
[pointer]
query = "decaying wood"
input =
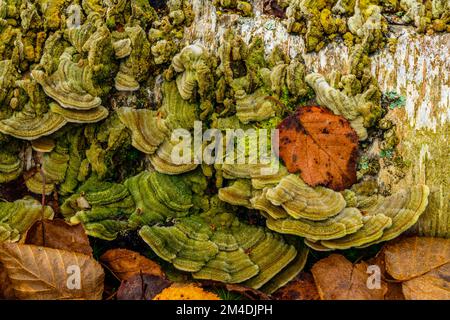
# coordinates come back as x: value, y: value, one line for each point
x: 418, y: 69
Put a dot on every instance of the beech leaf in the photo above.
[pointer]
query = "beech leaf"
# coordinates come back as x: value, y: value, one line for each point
x: 338, y: 279
x: 126, y: 263
x: 321, y: 146
x: 141, y: 287
x: 57, y: 234
x: 41, y: 273
x: 302, y: 287
x: 6, y: 290
x: 414, y: 256
x: 433, y: 285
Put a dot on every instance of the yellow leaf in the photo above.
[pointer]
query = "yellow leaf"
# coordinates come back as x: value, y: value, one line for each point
x: 185, y: 292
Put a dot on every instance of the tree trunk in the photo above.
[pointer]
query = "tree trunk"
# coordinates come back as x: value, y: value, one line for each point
x: 419, y: 69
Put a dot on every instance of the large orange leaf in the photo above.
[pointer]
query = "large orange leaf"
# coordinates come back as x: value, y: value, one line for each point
x: 321, y: 146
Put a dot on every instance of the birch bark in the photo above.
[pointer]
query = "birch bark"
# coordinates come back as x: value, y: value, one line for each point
x: 419, y: 69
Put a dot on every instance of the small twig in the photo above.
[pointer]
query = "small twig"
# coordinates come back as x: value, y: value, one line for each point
x: 41, y: 169
x: 109, y: 269
x: 111, y: 296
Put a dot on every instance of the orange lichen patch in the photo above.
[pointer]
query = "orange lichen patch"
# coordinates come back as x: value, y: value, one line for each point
x: 321, y: 146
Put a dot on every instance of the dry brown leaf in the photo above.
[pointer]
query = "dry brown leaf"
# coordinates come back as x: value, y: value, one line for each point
x: 338, y: 279
x: 6, y: 290
x: 141, y: 287
x: 434, y: 285
x: 126, y: 263
x: 394, y: 287
x: 246, y: 292
x: 57, y: 234
x: 395, y: 291
x: 414, y: 256
x: 302, y: 287
x: 45, y: 273
x: 321, y: 145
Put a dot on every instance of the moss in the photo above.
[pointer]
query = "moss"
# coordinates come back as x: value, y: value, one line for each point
x: 393, y: 100
x: 387, y: 153
x: 271, y: 123
x: 367, y: 166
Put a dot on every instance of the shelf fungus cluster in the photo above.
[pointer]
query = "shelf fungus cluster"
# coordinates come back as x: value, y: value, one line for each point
x: 56, y: 71
x: 215, y: 245
x: 354, y: 95
x: 95, y: 96
x: 212, y: 244
x: 328, y: 219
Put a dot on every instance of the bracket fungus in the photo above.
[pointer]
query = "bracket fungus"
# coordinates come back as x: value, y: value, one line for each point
x: 321, y: 22
x: 18, y: 216
x: 302, y: 201
x: 195, y: 75
x: 221, y: 248
x: 102, y: 207
x: 158, y: 197
x: 324, y: 217
x: 404, y: 207
x: 178, y: 112
x: 28, y: 125
x: 137, y: 63
x: 148, y: 130
x: 238, y: 193
x: 257, y: 106
x: 11, y: 166
x: 163, y: 162
x: 71, y: 85
x: 359, y: 109
x: 348, y: 221
x: 34, y: 119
